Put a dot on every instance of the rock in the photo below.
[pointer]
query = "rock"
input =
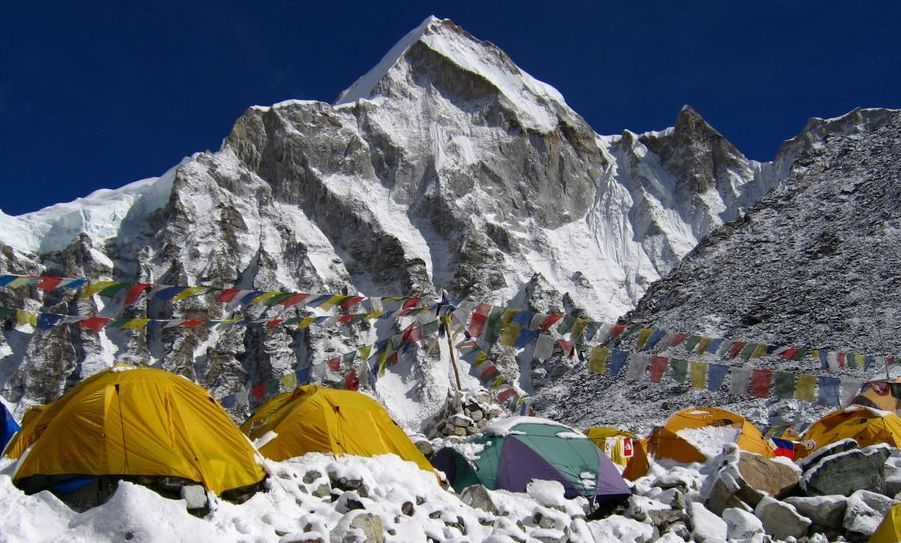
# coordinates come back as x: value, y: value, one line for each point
x: 824, y: 511
x: 847, y: 472
x: 865, y: 511
x: 780, y: 519
x: 721, y: 497
x: 195, y: 497
x: 706, y: 526
x: 741, y: 524
x: 893, y: 485
x: 477, y: 496
x: 371, y: 526
x: 311, y: 476
x: 831, y: 449
x: 425, y: 447
x: 322, y: 490
x: 407, y: 509
x: 679, y: 530
x: 672, y: 497
x: 664, y: 518
x: 348, y: 501
x: 460, y: 421
x: 765, y: 475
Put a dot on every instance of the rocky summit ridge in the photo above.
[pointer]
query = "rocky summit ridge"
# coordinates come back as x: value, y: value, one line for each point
x: 445, y: 167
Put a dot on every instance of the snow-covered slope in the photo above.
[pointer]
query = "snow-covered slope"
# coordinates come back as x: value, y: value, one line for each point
x: 445, y: 167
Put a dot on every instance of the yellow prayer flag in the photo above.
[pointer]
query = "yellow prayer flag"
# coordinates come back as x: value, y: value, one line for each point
x: 701, y: 348
x: 136, y: 324
x: 805, y: 388
x: 698, y: 375
x: 480, y: 359
x: 578, y: 328
x: 759, y: 351
x: 96, y: 286
x: 374, y: 315
x: 306, y: 322
x: 26, y: 317
x: 190, y: 292
x: 334, y: 299
x: 19, y: 282
x: 509, y: 334
x: 364, y: 352
x: 289, y: 381
x: 643, y: 336
x: 266, y: 296
x: 597, y: 361
x: 509, y: 313
x: 861, y: 359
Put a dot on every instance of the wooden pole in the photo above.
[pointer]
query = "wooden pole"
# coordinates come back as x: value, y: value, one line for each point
x: 450, y: 347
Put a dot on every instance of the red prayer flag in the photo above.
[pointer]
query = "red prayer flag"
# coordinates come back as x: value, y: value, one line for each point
x: 334, y: 364
x: 616, y: 330
x: 478, y: 320
x: 506, y: 394
x: 394, y: 358
x: 94, y: 323
x: 294, y: 299
x: 412, y: 334
x: 789, y: 353
x: 411, y: 302
x: 841, y: 360
x: 228, y: 295
x: 736, y: 348
x: 352, y: 302
x: 487, y: 373
x: 658, y: 367
x: 274, y: 322
x: 259, y: 391
x: 680, y: 337
x: 351, y: 381
x: 761, y: 383
x: 49, y: 283
x: 135, y: 291
x: 550, y: 320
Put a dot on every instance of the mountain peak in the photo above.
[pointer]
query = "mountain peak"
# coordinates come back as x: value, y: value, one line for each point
x: 440, y: 41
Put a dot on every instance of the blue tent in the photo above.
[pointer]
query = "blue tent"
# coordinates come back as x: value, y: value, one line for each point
x: 8, y: 427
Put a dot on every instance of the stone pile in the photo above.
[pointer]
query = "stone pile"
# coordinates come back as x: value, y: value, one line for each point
x: 462, y: 415
x: 840, y: 493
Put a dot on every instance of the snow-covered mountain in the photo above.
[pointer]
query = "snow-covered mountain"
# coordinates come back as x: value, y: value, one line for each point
x: 444, y: 167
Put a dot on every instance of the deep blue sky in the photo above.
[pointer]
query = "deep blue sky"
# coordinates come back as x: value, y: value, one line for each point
x: 95, y: 95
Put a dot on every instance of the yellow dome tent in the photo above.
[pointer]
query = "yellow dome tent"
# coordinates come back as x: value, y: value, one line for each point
x: 889, y: 530
x: 130, y: 421
x: 623, y: 448
x: 318, y: 419
x: 666, y: 442
x: 865, y: 425
x: 878, y: 394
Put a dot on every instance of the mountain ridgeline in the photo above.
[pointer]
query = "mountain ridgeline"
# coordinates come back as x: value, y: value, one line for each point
x: 447, y: 167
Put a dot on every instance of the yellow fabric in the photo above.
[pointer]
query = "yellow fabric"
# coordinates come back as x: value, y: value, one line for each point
x: 665, y: 443
x: 136, y: 421
x: 597, y: 361
x: 698, y: 375
x: 870, y: 398
x: 889, y: 530
x: 317, y: 419
x: 612, y: 442
x: 865, y: 425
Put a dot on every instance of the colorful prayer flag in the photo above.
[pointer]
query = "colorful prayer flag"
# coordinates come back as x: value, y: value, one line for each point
x: 617, y: 361
x: 658, y: 368
x: 785, y: 385
x: 805, y: 389
x: 680, y: 369
x: 597, y: 361
x: 761, y: 383
x: 638, y: 363
x: 698, y: 374
x: 739, y: 381
x: 716, y: 374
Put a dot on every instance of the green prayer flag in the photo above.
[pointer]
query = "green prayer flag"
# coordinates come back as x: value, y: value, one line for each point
x: 691, y: 343
x: 680, y: 369
x: 493, y: 327
x: 566, y: 324
x: 785, y: 385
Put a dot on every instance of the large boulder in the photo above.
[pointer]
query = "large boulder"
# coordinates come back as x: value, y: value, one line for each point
x: 847, y: 472
x: 824, y: 511
x: 764, y: 475
x: 706, y: 526
x: 864, y: 512
x: 741, y: 524
x: 780, y: 519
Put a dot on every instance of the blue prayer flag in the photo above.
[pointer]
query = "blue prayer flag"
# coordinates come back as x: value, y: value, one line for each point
x: 716, y: 374
x: 617, y: 362
x: 827, y: 390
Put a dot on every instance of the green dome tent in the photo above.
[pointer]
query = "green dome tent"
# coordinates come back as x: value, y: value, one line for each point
x: 512, y: 453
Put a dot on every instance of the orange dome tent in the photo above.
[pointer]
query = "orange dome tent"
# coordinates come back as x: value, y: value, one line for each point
x: 865, y: 425
x: 687, y: 433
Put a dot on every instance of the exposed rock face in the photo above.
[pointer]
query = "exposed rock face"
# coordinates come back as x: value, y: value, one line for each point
x: 446, y: 166
x: 811, y: 264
